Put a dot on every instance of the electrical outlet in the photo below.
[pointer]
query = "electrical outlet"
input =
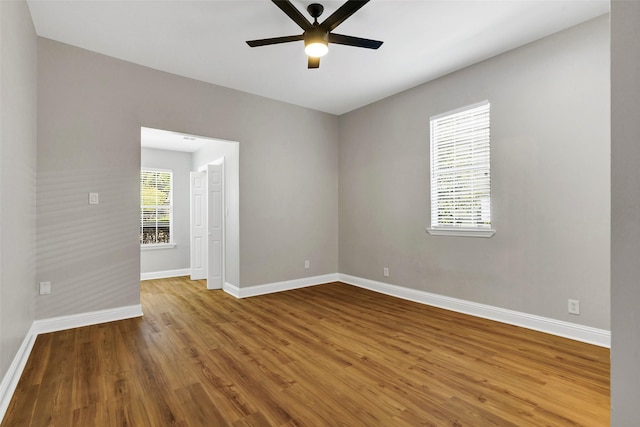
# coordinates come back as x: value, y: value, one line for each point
x: 45, y: 288
x: 306, y: 263
x: 574, y: 306
x: 385, y: 272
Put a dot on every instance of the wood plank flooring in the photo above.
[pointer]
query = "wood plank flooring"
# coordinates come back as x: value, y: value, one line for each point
x: 330, y: 355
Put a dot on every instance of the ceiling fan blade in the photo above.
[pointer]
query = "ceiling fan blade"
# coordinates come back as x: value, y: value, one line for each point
x: 354, y: 41
x: 313, y: 62
x: 343, y: 12
x: 274, y: 40
x: 293, y: 13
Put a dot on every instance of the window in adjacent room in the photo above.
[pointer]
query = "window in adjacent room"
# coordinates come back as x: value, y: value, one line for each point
x: 461, y: 172
x: 156, y: 207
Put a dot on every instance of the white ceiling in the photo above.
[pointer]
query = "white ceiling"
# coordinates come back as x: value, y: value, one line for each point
x: 205, y: 40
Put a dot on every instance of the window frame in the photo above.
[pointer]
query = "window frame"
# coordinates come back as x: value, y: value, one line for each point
x: 171, y: 243
x: 466, y: 230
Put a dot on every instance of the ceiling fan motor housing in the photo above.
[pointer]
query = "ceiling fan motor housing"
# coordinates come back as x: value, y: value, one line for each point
x: 315, y: 35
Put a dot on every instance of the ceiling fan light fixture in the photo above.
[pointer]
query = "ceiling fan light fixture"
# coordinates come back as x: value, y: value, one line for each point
x: 316, y: 42
x: 316, y: 49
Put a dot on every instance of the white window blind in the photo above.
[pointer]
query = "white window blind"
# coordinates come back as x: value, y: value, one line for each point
x: 461, y: 170
x: 156, y: 208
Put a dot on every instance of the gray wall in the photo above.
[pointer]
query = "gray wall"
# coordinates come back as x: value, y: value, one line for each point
x: 550, y: 182
x: 90, y: 109
x: 18, y: 108
x: 625, y: 213
x: 178, y: 257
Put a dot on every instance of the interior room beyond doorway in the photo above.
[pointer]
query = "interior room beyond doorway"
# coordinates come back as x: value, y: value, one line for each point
x: 177, y: 251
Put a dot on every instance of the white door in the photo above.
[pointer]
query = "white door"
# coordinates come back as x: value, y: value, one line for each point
x: 215, y: 182
x: 198, y: 225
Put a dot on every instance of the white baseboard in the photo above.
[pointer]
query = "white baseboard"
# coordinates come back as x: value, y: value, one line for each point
x: 269, y: 288
x: 599, y: 337
x: 165, y: 274
x: 231, y: 289
x: 79, y: 320
x: 11, y: 378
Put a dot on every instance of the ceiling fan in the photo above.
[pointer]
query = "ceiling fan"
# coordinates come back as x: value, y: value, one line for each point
x: 317, y: 36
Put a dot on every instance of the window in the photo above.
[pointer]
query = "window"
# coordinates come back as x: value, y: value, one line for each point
x: 460, y: 172
x: 156, y: 208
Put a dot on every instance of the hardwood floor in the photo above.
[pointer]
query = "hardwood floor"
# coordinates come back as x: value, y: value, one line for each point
x: 320, y: 356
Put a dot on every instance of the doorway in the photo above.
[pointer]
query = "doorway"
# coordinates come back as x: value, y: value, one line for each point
x: 206, y: 207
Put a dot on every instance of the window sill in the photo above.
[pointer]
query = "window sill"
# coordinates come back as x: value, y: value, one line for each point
x: 461, y: 232
x: 158, y: 246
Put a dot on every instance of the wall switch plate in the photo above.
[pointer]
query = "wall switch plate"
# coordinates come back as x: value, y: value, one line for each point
x: 45, y: 288
x: 306, y: 263
x: 574, y: 306
x: 385, y: 272
x: 93, y: 198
